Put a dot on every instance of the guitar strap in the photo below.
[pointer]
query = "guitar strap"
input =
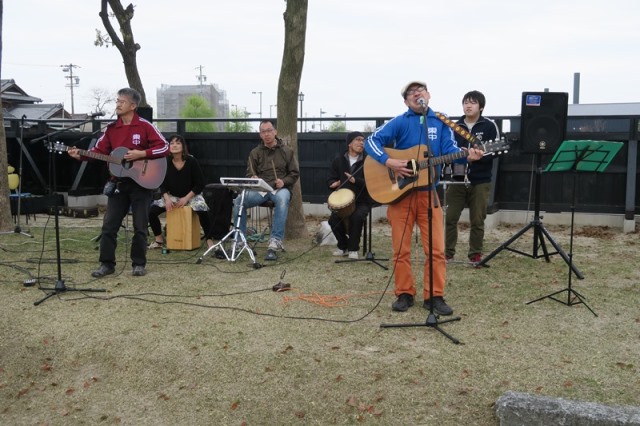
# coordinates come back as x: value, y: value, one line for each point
x: 457, y: 128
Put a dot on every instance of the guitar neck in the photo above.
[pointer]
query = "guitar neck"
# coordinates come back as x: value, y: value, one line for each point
x: 98, y: 156
x: 441, y: 160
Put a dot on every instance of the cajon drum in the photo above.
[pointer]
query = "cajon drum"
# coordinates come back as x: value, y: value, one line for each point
x: 183, y: 229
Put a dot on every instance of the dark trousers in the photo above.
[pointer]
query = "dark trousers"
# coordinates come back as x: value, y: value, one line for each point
x: 156, y: 227
x: 349, y: 241
x: 129, y: 195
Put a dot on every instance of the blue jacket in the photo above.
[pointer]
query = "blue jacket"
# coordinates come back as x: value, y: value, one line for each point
x: 406, y: 131
x: 484, y: 130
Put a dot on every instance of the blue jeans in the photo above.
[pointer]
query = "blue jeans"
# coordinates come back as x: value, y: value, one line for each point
x: 281, y: 210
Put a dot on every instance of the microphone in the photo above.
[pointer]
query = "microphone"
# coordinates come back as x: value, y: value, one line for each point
x: 97, y: 114
x: 422, y: 103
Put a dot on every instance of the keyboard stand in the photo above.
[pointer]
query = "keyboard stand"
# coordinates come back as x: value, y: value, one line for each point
x: 236, y: 238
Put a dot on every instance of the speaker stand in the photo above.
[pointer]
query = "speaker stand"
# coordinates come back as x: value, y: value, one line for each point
x: 539, y: 234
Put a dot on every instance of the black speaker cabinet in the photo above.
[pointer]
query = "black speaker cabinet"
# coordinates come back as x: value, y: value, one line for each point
x: 145, y: 112
x: 543, y: 126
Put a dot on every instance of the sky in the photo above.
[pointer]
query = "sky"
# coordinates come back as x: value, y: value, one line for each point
x: 359, y: 53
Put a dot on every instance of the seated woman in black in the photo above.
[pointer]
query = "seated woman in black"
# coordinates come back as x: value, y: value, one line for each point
x: 182, y: 186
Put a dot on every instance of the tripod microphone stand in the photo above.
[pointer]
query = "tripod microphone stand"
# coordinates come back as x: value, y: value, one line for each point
x: 575, y: 156
x: 18, y: 229
x: 539, y: 233
x: 432, y: 319
x: 60, y: 286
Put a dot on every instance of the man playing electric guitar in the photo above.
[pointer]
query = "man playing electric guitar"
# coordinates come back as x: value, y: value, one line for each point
x: 407, y: 131
x: 143, y: 141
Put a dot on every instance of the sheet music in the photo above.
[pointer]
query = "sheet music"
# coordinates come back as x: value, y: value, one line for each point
x: 255, y: 184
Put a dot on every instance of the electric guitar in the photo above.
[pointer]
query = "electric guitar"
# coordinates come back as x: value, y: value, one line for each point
x: 386, y: 188
x: 148, y: 173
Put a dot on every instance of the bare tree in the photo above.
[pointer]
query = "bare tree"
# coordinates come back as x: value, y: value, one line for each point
x: 295, y: 28
x: 127, y: 46
x: 5, y: 206
x: 101, y: 98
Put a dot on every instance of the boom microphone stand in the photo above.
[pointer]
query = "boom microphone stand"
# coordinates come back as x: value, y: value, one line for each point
x: 432, y: 320
x: 17, y: 229
x: 59, y: 286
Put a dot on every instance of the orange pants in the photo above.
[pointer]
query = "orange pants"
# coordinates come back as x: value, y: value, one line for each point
x: 402, y: 217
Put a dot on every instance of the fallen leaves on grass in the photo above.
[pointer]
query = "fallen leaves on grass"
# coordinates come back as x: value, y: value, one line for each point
x: 362, y: 408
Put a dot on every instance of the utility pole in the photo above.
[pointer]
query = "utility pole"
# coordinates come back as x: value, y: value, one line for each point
x: 201, y: 77
x: 74, y: 81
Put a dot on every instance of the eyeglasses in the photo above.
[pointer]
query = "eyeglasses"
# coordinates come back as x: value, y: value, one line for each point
x: 416, y: 90
x: 267, y: 130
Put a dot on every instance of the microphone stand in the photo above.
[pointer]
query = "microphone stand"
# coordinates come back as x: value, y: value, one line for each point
x: 432, y: 319
x: 18, y: 229
x: 59, y: 286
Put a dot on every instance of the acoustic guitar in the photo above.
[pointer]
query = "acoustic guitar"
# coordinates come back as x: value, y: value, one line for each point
x: 386, y: 188
x: 148, y: 173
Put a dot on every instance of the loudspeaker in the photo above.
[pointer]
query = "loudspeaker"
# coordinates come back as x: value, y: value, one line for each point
x: 145, y: 112
x: 543, y: 124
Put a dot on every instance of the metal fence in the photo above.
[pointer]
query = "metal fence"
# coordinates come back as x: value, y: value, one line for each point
x: 615, y: 191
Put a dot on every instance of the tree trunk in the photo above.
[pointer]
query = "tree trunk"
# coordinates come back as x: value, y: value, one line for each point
x: 5, y: 206
x: 127, y: 47
x: 295, y: 28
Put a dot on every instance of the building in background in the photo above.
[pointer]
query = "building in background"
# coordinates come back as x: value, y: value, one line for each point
x: 171, y: 100
x: 17, y: 103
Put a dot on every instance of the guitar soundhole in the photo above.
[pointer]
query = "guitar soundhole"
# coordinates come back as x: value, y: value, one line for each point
x: 126, y: 164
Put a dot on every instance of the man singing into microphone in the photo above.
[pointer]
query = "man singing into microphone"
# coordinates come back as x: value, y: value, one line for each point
x: 404, y: 132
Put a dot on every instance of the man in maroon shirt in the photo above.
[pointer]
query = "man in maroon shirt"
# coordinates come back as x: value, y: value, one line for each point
x: 143, y: 141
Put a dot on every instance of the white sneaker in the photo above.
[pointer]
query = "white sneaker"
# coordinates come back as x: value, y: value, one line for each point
x: 155, y: 245
x: 353, y: 255
x: 275, y: 244
x: 340, y: 252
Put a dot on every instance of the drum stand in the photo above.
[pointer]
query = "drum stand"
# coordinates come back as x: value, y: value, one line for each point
x: 369, y: 256
x: 236, y: 237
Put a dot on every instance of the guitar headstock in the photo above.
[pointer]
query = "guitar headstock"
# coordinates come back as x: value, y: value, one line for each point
x: 58, y: 147
x: 497, y: 147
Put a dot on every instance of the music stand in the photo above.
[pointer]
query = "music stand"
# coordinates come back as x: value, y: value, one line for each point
x: 369, y: 256
x: 575, y: 156
x: 236, y: 236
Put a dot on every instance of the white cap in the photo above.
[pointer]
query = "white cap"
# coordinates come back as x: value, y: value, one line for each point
x: 403, y: 92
